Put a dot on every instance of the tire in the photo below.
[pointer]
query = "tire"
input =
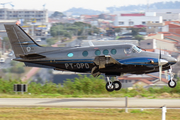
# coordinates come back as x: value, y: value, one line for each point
x: 172, y: 83
x: 117, y: 85
x: 108, y: 88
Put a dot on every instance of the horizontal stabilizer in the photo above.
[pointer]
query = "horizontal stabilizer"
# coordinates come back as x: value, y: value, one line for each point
x: 28, y: 64
x: 32, y: 56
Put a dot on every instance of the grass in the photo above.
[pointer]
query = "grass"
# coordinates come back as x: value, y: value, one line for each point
x: 83, y: 86
x: 83, y: 114
x: 26, y: 95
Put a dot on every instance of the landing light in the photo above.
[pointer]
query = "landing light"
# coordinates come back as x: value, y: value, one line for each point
x: 152, y: 62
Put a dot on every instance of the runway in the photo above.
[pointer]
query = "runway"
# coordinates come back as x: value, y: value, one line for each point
x: 89, y: 102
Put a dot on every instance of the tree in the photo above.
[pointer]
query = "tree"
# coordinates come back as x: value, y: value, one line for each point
x: 117, y: 30
x: 7, y: 43
x: 57, y: 14
x: 67, y: 34
x: 139, y: 37
x: 68, y: 30
x: 51, y: 41
x: 135, y: 31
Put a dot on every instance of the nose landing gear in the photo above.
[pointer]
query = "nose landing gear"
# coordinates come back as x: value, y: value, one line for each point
x: 171, y: 83
x: 111, y: 86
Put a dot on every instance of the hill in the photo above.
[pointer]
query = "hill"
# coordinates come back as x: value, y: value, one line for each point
x: 80, y: 11
x: 154, y: 6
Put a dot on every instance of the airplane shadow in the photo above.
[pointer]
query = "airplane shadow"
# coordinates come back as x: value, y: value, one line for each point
x: 73, y: 100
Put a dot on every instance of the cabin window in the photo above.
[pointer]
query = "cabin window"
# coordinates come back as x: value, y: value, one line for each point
x: 85, y: 53
x: 121, y: 23
x: 105, y: 52
x: 70, y: 54
x: 143, y: 22
x: 113, y: 51
x: 97, y: 52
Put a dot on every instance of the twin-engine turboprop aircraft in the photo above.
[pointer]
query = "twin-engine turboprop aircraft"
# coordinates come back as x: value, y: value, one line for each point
x: 112, y: 60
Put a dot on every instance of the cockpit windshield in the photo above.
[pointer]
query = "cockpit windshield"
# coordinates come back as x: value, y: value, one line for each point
x: 136, y: 49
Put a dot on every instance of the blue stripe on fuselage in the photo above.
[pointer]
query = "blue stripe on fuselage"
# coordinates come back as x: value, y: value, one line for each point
x: 139, y: 61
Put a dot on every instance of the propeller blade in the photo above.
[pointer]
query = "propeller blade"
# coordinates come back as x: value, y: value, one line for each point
x: 161, y: 62
x: 160, y: 72
x: 166, y: 74
x: 159, y: 57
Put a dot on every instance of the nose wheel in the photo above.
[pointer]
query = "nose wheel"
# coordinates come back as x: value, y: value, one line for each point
x: 111, y: 86
x: 172, y: 83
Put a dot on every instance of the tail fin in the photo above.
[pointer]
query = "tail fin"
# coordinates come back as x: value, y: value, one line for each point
x: 21, y: 42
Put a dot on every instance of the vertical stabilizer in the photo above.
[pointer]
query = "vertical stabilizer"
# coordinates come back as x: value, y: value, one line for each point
x: 21, y: 42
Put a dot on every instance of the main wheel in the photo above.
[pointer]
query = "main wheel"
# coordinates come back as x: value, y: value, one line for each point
x: 117, y: 85
x: 172, y: 83
x: 110, y: 87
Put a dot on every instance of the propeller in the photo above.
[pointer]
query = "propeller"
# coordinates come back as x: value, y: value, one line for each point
x: 161, y: 62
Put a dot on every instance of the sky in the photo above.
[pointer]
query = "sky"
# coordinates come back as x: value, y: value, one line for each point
x: 63, y: 5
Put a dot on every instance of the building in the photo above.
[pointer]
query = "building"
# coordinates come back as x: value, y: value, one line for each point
x: 174, y: 28
x: 2, y: 29
x: 34, y: 22
x: 145, y: 80
x: 0, y: 43
x: 26, y: 15
x: 154, y: 27
x: 132, y: 19
x: 169, y: 16
x: 108, y: 42
x: 158, y: 44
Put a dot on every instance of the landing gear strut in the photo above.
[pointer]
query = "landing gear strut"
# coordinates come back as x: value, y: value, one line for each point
x: 171, y: 83
x: 111, y: 86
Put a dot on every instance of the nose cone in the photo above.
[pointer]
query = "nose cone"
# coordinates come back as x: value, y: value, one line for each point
x: 172, y: 61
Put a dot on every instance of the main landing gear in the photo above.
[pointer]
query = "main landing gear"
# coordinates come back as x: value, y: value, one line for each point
x: 111, y: 86
x: 171, y: 83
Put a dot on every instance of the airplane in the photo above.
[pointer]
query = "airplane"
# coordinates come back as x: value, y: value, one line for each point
x: 111, y: 60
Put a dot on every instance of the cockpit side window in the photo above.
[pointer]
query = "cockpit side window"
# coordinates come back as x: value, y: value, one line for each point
x: 127, y: 50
